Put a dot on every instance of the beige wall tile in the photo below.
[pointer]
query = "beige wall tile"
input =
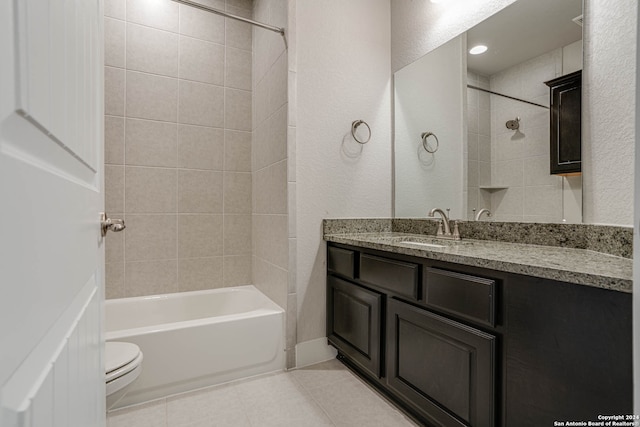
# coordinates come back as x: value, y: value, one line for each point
x: 114, y: 188
x: 216, y: 4
x: 270, y: 240
x: 544, y: 200
x: 237, y: 234
x: 152, y: 51
x: 292, y: 96
x: 114, y: 91
x: 114, y: 280
x: 114, y: 42
x: 261, y: 107
x: 199, y: 236
x: 150, y: 190
x: 278, y: 84
x: 200, y: 147
x: 237, y: 270
x: 508, y: 203
x: 273, y: 147
x: 271, y: 281
x: 536, y: 171
x: 152, y: 97
x: 199, y: 273
x: 239, y: 34
x: 114, y: 140
x: 114, y: 243
x: 160, y: 14
x: 151, y: 277
x: 291, y: 207
x: 115, y: 8
x: 201, y: 25
x: 201, y: 61
x: 242, y: 4
x: 291, y: 154
x: 151, y: 143
x: 237, y: 192
x: 151, y: 237
x: 270, y: 186
x: 237, y: 151
x: 237, y: 113
x: 199, y: 191
x: 238, y: 69
x: 201, y: 104
x: 293, y: 256
x: 292, y: 314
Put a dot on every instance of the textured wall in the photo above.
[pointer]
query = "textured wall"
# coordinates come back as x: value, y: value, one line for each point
x: 177, y: 146
x: 609, y: 88
x: 343, y: 63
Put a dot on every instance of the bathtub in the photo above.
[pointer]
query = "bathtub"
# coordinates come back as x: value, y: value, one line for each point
x: 197, y: 339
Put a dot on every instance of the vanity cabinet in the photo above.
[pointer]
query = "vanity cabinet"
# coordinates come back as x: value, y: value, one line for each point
x: 566, y: 133
x: 456, y: 345
x: 445, y: 370
x: 354, y: 323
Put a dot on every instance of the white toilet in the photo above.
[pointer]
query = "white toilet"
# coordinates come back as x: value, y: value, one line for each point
x: 123, y: 364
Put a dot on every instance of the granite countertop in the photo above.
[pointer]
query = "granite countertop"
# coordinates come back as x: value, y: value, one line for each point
x: 579, y: 266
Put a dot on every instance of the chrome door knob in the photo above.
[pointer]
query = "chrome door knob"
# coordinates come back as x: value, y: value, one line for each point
x: 109, y: 224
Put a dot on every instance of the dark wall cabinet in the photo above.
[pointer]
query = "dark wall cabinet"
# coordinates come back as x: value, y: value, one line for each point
x: 463, y: 346
x: 566, y: 133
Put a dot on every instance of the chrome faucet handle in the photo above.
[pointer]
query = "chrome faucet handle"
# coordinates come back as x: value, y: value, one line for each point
x: 456, y: 231
x: 440, y: 232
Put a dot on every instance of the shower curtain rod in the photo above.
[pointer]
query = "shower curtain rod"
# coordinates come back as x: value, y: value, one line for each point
x: 506, y: 96
x: 237, y: 18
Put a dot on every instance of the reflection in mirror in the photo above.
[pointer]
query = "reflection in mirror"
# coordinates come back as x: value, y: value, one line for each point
x: 494, y: 150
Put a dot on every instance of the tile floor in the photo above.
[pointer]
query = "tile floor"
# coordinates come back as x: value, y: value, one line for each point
x: 326, y: 394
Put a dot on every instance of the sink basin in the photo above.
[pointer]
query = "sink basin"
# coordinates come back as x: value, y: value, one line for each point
x: 420, y: 244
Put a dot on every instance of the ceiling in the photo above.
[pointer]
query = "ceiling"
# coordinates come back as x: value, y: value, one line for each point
x: 523, y: 30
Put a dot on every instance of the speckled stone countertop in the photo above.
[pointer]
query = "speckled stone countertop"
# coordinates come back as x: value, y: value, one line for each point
x: 579, y: 266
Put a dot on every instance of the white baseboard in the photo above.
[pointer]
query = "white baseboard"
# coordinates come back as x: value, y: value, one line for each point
x: 314, y: 351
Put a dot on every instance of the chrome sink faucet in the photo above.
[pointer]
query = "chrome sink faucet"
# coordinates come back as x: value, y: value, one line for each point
x: 445, y: 223
x: 480, y: 212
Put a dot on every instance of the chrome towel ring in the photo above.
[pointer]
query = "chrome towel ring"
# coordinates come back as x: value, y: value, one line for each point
x: 429, y: 149
x: 354, y: 127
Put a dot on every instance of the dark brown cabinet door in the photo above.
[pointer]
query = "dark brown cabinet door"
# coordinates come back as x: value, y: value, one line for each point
x: 445, y: 370
x: 354, y: 323
x: 569, y: 353
x: 566, y: 133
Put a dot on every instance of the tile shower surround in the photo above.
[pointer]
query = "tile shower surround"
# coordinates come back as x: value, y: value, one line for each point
x: 178, y: 122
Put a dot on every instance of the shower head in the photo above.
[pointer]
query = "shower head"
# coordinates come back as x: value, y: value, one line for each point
x: 513, y: 124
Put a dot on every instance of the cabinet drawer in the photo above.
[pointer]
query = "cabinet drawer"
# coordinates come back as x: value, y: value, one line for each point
x: 341, y: 261
x: 460, y: 294
x: 396, y: 276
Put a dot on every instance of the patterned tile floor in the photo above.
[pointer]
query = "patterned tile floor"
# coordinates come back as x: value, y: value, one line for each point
x: 326, y: 394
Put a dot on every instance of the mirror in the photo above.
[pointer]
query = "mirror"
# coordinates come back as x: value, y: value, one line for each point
x: 472, y: 131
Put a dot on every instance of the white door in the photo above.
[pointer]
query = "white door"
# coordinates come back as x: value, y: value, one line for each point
x: 51, y: 250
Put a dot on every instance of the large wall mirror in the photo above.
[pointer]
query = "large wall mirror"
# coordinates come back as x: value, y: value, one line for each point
x: 472, y: 131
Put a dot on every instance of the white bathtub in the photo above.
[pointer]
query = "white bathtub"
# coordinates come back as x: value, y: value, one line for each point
x: 197, y: 339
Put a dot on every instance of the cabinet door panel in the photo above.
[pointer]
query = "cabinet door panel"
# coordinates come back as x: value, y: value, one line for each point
x: 443, y: 368
x: 354, y: 322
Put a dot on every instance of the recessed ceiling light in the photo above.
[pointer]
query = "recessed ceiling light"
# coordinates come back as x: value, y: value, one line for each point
x: 477, y: 50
